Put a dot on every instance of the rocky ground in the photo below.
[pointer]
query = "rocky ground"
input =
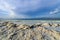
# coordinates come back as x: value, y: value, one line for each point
x: 39, y: 31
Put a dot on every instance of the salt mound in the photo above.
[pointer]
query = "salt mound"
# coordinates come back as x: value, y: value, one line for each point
x: 23, y: 26
x: 11, y: 31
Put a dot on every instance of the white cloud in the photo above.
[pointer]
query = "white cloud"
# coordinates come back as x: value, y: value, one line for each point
x: 25, y: 6
x: 32, y: 5
x: 56, y: 11
x: 7, y: 7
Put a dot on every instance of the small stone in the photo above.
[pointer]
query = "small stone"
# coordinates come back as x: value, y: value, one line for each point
x: 0, y: 24
x: 9, y: 25
x: 36, y: 25
x: 45, y: 24
x: 4, y: 23
x: 23, y: 26
x: 54, y: 25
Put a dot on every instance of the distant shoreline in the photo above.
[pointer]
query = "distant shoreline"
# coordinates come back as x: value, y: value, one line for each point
x: 30, y: 18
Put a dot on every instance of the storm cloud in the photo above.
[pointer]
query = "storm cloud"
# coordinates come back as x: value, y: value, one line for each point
x: 27, y: 8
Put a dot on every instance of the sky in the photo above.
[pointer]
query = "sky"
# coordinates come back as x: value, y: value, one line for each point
x: 29, y: 8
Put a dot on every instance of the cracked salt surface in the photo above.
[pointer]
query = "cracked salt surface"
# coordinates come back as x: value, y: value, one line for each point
x: 53, y: 28
x: 33, y: 33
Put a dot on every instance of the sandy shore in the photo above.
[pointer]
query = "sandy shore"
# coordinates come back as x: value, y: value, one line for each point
x: 37, y: 31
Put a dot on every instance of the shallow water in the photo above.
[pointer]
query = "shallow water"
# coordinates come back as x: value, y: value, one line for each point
x: 31, y: 22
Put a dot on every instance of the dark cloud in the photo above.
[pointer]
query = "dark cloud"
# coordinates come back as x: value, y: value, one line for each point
x: 28, y: 8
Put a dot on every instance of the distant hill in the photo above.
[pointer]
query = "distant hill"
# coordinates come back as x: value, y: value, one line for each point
x: 43, y: 18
